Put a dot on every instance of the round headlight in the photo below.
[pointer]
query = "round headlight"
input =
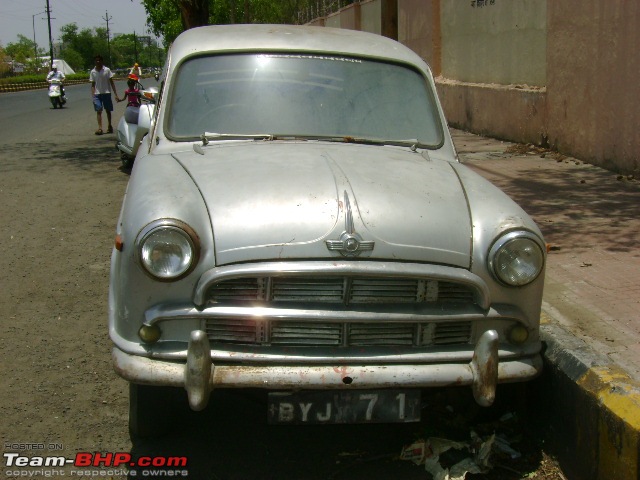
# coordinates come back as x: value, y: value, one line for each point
x: 516, y: 258
x: 167, y: 251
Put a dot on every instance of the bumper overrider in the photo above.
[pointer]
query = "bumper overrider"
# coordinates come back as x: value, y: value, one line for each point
x: 198, y: 376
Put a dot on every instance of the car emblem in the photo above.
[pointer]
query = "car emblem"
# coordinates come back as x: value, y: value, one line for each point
x: 350, y: 243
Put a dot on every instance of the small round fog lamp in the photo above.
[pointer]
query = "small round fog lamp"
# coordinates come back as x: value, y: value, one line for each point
x: 149, y: 333
x: 518, y: 335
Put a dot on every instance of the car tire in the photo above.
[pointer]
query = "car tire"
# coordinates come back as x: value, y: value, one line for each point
x: 154, y: 411
x: 127, y: 161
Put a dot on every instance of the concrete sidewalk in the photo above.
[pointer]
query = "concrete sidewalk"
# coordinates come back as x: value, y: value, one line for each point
x: 590, y: 217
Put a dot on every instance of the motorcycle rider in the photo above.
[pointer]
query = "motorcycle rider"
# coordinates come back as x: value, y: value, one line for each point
x: 136, y: 70
x: 54, y: 74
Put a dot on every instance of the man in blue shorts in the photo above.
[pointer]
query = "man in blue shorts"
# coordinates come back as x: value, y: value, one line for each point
x: 101, y: 79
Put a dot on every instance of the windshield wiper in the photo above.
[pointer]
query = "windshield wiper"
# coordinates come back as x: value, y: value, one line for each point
x: 409, y: 142
x: 206, y: 136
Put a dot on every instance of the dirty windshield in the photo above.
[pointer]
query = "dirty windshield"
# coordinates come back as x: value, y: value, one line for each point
x: 302, y: 96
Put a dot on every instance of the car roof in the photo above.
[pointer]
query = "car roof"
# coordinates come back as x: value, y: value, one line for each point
x: 294, y: 38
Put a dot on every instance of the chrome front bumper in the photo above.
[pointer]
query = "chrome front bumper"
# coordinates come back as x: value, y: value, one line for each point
x: 199, y: 375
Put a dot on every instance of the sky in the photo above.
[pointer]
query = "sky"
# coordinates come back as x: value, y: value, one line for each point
x: 17, y: 18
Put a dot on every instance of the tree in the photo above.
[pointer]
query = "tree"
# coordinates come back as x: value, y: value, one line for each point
x: 4, y: 67
x: 168, y: 18
x: 24, y: 51
x: 194, y: 13
x: 81, y: 46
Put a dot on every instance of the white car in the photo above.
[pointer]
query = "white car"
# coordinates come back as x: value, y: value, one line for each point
x: 297, y: 220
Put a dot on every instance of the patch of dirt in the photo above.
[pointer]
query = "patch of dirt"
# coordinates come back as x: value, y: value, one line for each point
x: 530, y: 149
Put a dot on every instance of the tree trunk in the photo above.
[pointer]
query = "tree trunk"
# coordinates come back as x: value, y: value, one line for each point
x: 194, y: 13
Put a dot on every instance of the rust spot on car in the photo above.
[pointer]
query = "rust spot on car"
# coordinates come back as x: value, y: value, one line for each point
x: 342, y: 371
x: 485, y: 386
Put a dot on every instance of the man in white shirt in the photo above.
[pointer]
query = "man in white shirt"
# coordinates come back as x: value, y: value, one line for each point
x: 101, y: 86
x: 55, y: 75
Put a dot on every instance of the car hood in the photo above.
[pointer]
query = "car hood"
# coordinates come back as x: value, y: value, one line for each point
x: 294, y: 200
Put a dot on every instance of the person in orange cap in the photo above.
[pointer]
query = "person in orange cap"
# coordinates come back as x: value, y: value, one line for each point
x: 136, y: 70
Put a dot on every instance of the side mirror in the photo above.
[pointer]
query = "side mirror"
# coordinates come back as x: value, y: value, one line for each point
x: 151, y: 94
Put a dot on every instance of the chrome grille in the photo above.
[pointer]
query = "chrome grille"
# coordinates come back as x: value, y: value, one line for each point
x: 241, y: 289
x: 339, y: 290
x: 451, y: 333
x: 236, y: 331
x: 304, y: 289
x: 370, y: 334
x: 305, y: 333
x: 335, y: 334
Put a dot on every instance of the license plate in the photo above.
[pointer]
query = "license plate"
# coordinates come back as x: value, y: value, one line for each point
x: 358, y: 406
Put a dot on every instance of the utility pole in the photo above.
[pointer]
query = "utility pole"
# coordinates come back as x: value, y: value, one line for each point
x: 50, y: 41
x: 106, y: 19
x: 135, y: 46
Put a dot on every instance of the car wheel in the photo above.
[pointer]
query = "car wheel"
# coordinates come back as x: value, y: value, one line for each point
x: 127, y: 161
x: 154, y: 411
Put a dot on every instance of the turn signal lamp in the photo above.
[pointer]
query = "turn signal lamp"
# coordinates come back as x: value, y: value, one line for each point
x: 119, y: 244
x: 149, y: 333
x: 518, y: 335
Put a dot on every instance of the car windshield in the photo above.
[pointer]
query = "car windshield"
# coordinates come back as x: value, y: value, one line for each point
x: 302, y: 96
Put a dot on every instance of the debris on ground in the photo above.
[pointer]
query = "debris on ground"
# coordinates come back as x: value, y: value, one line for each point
x: 531, y: 149
x: 460, y: 445
x: 428, y: 452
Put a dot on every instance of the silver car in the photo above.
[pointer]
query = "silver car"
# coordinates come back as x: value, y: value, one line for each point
x: 297, y: 220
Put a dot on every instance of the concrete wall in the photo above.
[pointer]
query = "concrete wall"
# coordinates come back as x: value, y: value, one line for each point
x: 419, y: 29
x: 498, y: 42
x: 517, y: 115
x: 593, y: 81
x: 347, y: 17
x: 493, y: 54
x: 371, y: 16
x: 558, y: 73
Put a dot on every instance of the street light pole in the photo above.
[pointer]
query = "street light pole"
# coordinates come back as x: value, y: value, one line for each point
x: 35, y: 45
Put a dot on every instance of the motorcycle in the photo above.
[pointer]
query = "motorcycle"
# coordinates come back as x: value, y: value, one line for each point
x: 134, y: 125
x: 55, y: 94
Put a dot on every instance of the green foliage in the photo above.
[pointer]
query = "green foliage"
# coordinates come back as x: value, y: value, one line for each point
x: 165, y: 19
x: 163, y: 16
x: 127, y: 49
x: 24, y: 51
x: 80, y: 47
x: 4, y: 68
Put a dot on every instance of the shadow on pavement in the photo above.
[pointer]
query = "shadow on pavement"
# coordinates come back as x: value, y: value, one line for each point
x: 231, y: 440
x: 575, y: 205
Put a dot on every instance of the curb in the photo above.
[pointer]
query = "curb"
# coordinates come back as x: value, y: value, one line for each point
x: 594, y: 408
